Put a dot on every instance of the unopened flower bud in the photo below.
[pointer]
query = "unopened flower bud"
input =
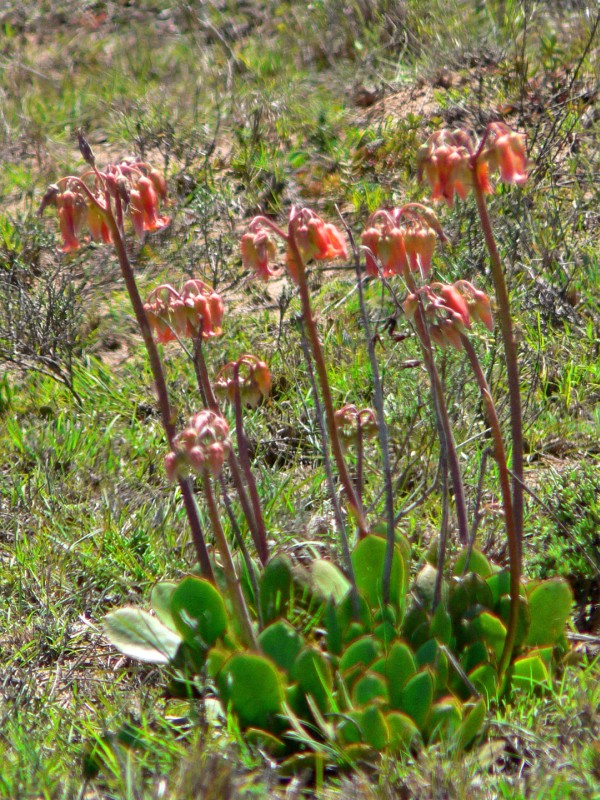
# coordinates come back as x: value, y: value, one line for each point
x: 454, y: 301
x: 159, y: 182
x: 85, y: 149
x: 171, y: 466
x: 215, y: 456
x: 410, y: 305
x: 49, y: 198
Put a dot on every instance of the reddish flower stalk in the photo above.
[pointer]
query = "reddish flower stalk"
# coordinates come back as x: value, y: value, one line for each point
x: 444, y: 428
x: 161, y: 386
x: 231, y: 578
x: 102, y: 208
x: 507, y: 502
x: 245, y: 462
x: 512, y: 366
x: 452, y: 164
x: 307, y: 237
x: 206, y: 389
x: 319, y: 360
x: 449, y: 452
x: 354, y: 426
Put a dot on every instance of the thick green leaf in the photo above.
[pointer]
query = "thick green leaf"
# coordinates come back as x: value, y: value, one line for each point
x: 474, y: 655
x: 529, y: 673
x: 314, y: 675
x: 199, y: 611
x: 251, y: 687
x: 400, y: 667
x: 415, y: 627
x: 550, y: 604
x: 301, y: 764
x: 362, y: 651
x: 416, y: 698
x: 276, y: 588
x: 403, y: 732
x: 471, y: 725
x: 328, y: 580
x: 143, y: 637
x: 478, y: 563
x: 432, y: 655
x: 160, y: 602
x: 485, y: 679
x: 387, y: 614
x: 499, y: 584
x: 370, y: 689
x: 491, y: 629
x: 368, y: 559
x: 215, y: 658
x: 352, y: 624
x: 349, y: 731
x: 386, y: 633
x: 373, y: 727
x: 440, y: 627
x: 467, y: 594
x: 282, y: 643
x: 445, y: 717
x: 524, y: 618
x: 333, y: 628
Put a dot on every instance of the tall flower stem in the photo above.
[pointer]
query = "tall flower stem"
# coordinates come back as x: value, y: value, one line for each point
x: 161, y: 387
x: 382, y: 431
x: 449, y: 452
x: 259, y: 538
x: 321, y: 369
x: 346, y: 556
x: 231, y: 578
x: 510, y: 353
x: 360, y: 458
x: 247, y: 467
x: 507, y: 502
x: 239, y: 539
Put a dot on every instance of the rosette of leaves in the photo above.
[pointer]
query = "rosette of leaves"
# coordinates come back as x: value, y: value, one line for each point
x: 471, y: 623
x: 340, y: 675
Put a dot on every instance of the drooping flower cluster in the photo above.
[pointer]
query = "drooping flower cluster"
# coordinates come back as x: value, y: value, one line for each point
x: 397, y: 242
x: 451, y: 162
x: 258, y: 249
x: 449, y: 310
x: 314, y: 238
x: 195, y: 311
x: 134, y: 187
x: 252, y: 376
x: 203, y: 445
x: 505, y: 151
x: 352, y: 424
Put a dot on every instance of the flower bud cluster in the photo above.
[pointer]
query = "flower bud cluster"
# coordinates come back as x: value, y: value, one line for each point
x: 196, y: 310
x: 449, y: 310
x: 202, y: 445
x: 352, y: 424
x: 445, y: 162
x: 396, y: 243
x: 314, y: 238
x: 450, y: 161
x: 258, y: 249
x: 82, y: 201
x: 505, y: 152
x: 254, y: 383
